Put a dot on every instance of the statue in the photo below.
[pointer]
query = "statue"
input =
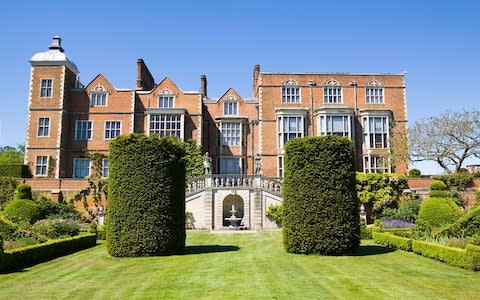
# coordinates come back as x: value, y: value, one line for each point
x: 258, y: 165
x: 207, y: 163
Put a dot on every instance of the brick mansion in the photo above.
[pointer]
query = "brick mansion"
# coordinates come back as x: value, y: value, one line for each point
x: 67, y: 119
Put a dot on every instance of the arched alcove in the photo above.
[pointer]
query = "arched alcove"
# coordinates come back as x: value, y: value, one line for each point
x: 230, y: 202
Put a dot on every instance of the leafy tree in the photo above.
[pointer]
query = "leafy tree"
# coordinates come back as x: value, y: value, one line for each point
x: 193, y: 159
x: 448, y: 139
x: 377, y: 191
x: 12, y: 156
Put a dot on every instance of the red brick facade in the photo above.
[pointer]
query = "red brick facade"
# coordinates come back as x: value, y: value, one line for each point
x: 236, y: 131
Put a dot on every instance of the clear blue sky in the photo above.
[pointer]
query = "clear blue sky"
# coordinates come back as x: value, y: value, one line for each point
x: 436, y: 42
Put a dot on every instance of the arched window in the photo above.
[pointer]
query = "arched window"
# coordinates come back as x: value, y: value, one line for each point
x: 332, y: 92
x: 98, y: 96
x: 290, y: 92
x: 374, y: 92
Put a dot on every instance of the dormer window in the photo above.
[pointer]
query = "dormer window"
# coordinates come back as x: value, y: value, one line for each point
x: 230, y: 106
x: 165, y: 99
x: 290, y: 92
x: 98, y: 96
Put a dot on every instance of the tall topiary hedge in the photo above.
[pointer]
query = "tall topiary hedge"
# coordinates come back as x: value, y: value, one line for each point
x: 146, y: 189
x: 320, y: 202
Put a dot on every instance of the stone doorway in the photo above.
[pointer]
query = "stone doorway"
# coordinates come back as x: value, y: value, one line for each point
x: 233, y: 201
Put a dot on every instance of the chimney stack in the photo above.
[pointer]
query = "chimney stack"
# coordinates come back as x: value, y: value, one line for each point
x: 256, y: 73
x: 203, y: 85
x: 145, y: 80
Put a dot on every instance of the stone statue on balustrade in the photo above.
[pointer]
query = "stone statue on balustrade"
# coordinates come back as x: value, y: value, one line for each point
x: 257, y: 169
x: 207, y: 163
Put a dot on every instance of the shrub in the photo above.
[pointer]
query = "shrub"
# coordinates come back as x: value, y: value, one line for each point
x: 29, y: 255
x: 453, y: 256
x: 24, y: 191
x: 146, y: 189
x: 22, y: 210
x: 365, y: 232
x: 438, y: 185
x: 458, y: 180
x: 7, y: 229
x: 56, y: 228
x: 414, y: 172
x: 378, y: 191
x: 466, y: 226
x: 55, y: 210
x: 475, y: 239
x: 1, y: 248
x: 15, y: 171
x: 422, y: 230
x: 320, y: 204
x: 439, y: 194
x: 439, y: 211
x: 275, y: 212
x: 477, y: 195
x: 407, y: 211
x: 392, y: 241
x: 101, y: 232
x: 7, y: 190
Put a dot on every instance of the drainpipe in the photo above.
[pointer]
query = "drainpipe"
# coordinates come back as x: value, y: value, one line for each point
x: 311, y: 84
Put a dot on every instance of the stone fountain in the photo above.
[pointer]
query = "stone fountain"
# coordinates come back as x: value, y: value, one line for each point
x: 233, y: 219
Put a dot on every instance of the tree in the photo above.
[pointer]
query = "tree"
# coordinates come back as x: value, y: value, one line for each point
x: 11, y: 156
x: 193, y: 159
x: 448, y: 139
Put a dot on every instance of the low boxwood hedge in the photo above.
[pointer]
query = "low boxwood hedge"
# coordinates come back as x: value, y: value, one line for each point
x: 392, y: 241
x: 468, y: 258
x: 33, y: 254
x: 450, y: 255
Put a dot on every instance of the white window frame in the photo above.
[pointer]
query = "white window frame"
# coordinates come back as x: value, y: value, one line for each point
x: 152, y: 119
x: 374, y: 95
x: 165, y: 101
x: 324, y: 119
x: 117, y: 131
x: 230, y: 108
x: 42, y: 165
x: 105, y: 169
x: 370, y: 134
x: 291, y: 93
x: 77, y: 161
x: 230, y: 134
x: 47, y: 90
x: 84, y: 130
x: 332, y: 94
x: 281, y: 131
x: 371, y: 164
x: 42, y: 127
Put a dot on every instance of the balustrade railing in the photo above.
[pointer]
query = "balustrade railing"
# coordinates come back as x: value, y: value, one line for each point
x: 273, y: 185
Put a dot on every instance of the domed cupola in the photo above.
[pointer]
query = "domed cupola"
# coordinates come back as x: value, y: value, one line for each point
x: 55, y: 56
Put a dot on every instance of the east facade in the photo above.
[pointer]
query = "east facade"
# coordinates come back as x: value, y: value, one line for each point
x: 242, y: 135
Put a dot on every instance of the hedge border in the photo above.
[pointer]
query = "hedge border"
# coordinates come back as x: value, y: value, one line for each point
x: 33, y: 254
x: 468, y: 258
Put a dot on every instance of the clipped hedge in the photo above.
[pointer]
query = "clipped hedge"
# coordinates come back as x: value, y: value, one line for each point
x: 24, y: 191
x: 438, y: 185
x: 439, y: 211
x: 321, y: 212
x: 392, y: 241
x: 452, y: 256
x: 7, y: 229
x: 22, y: 210
x: 146, y: 196
x: 33, y: 254
x: 15, y: 171
x: 467, y: 225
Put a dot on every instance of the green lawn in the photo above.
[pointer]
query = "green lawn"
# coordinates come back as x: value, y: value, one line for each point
x: 242, y: 265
